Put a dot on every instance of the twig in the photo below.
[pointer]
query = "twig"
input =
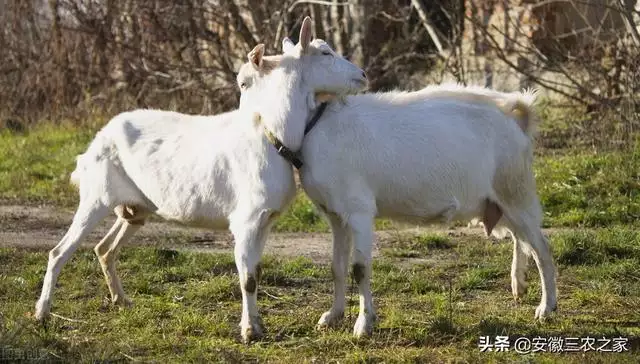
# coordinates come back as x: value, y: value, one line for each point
x: 542, y: 82
x: 50, y: 353
x: 393, y: 18
x: 629, y: 22
x: 183, y: 86
x: 272, y: 296
x: 128, y: 356
x: 427, y: 25
x: 279, y: 30
x: 316, y: 2
x: 68, y: 319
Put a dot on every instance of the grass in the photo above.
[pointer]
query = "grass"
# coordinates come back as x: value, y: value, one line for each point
x: 35, y: 167
x: 187, y: 305
x: 577, y: 189
x: 588, y: 189
x: 413, y: 246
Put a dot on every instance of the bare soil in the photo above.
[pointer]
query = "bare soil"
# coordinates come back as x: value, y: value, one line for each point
x: 41, y: 227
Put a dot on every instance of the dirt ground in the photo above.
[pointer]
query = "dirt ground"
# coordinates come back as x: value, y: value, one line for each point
x: 43, y: 226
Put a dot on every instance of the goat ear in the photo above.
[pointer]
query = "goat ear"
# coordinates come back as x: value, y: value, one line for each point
x: 306, y: 34
x: 255, y: 56
x: 287, y: 45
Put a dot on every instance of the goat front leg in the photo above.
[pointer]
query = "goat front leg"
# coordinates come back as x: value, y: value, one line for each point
x: 362, y: 232
x: 250, y: 236
x: 339, y: 267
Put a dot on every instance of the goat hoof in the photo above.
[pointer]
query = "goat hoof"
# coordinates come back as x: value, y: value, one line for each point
x: 363, y: 326
x: 123, y: 301
x: 252, y: 332
x: 519, y: 289
x: 42, y: 310
x: 544, y: 311
x: 329, y: 319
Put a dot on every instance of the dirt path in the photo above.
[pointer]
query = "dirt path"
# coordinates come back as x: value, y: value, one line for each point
x: 42, y: 227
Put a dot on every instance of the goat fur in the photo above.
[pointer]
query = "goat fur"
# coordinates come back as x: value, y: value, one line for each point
x: 445, y: 152
x: 208, y: 171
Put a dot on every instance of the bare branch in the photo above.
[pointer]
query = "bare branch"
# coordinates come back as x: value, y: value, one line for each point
x: 316, y: 2
x: 417, y: 4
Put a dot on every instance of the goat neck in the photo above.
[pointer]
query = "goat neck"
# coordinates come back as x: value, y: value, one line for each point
x: 285, y: 107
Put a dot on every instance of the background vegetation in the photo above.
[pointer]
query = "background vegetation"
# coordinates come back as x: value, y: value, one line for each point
x: 76, y: 60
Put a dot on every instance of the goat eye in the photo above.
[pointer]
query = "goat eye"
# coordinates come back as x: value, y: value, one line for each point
x: 243, y: 85
x: 326, y: 53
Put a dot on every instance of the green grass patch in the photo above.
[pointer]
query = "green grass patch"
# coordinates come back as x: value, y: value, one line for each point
x: 415, y: 246
x: 187, y: 305
x: 35, y: 167
x: 590, y: 189
x: 302, y: 216
x: 597, y: 247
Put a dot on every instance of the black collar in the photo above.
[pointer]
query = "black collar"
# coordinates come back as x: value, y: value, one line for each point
x: 287, y: 153
x: 315, y: 118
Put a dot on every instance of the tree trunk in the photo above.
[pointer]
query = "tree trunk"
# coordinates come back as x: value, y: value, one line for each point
x: 357, y: 10
x: 336, y: 27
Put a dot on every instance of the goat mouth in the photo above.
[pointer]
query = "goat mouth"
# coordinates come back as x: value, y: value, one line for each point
x: 361, y: 82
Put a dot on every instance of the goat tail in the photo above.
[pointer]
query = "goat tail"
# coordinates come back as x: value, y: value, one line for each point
x: 520, y: 106
x: 75, y: 175
x: 100, y: 148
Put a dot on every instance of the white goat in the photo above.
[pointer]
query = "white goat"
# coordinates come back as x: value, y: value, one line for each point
x: 442, y: 153
x: 203, y: 171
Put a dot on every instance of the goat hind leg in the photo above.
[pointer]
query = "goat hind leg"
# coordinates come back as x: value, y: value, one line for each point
x: 108, y: 251
x: 544, y: 261
x: 85, y: 220
x: 102, y: 247
x: 519, y: 267
x: 493, y: 214
x: 529, y: 234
